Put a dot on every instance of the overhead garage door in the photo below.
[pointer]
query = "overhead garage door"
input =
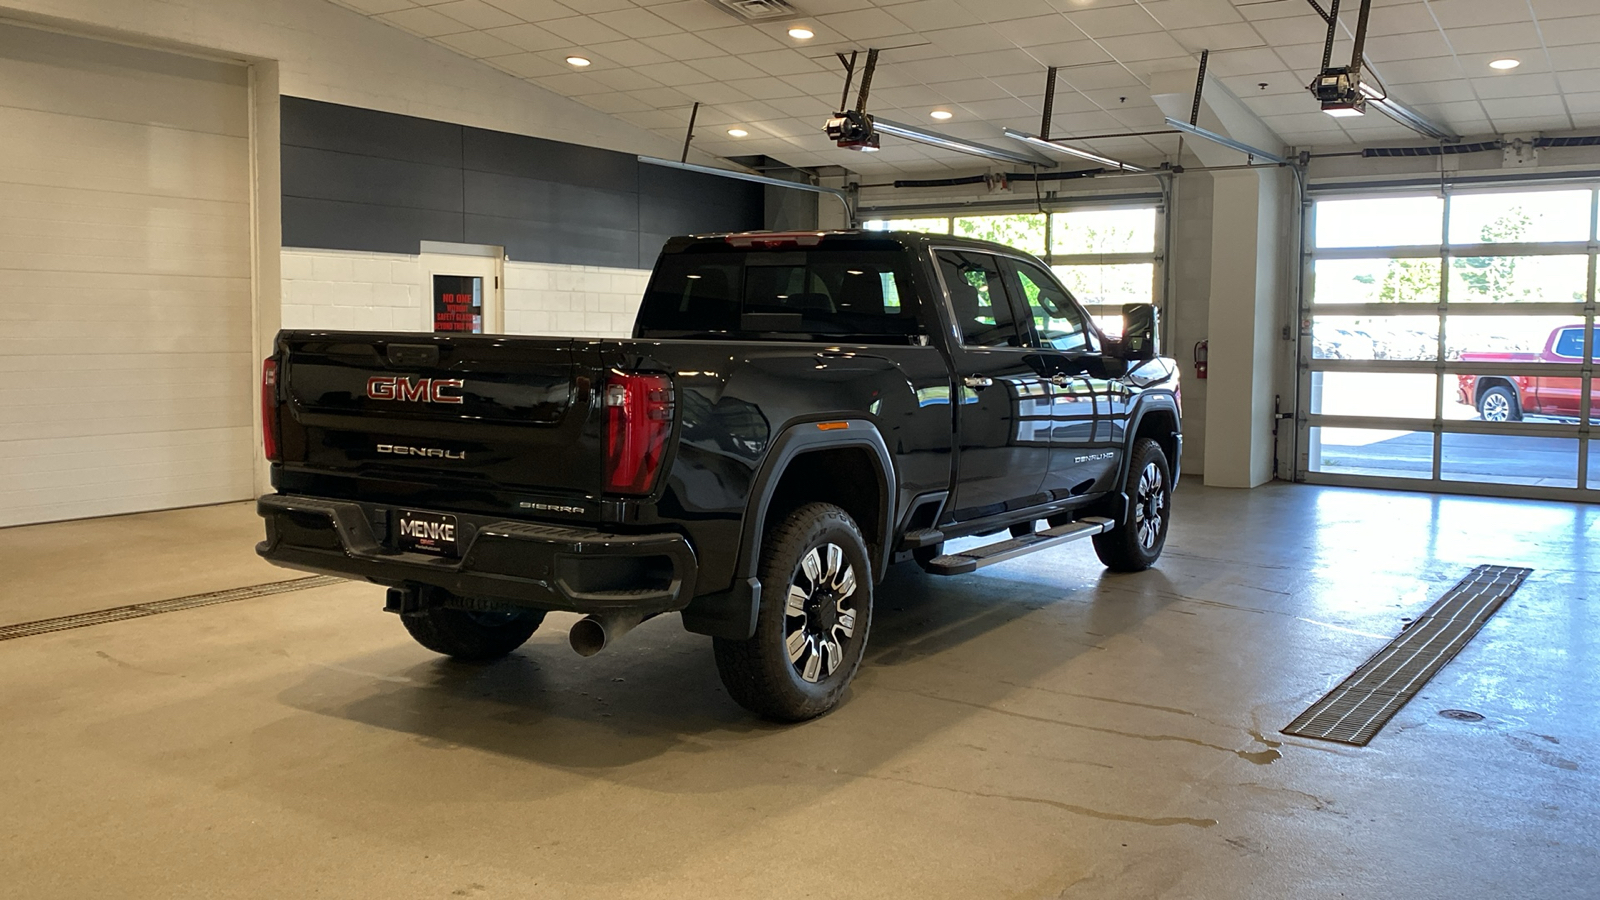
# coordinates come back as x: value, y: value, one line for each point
x: 125, y: 302
x: 1451, y: 340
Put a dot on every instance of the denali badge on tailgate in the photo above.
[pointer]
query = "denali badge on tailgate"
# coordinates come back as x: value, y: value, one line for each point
x: 423, y: 390
x: 435, y: 452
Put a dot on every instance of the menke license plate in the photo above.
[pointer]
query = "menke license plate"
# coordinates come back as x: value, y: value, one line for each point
x: 428, y: 533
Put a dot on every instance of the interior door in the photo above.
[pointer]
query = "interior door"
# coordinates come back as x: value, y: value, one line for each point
x: 1003, y: 411
x: 462, y: 293
x: 1084, y: 404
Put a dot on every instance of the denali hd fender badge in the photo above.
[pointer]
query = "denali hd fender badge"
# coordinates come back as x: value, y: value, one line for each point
x: 423, y: 390
x: 434, y: 452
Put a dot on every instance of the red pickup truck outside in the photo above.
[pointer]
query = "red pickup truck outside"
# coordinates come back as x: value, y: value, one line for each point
x: 1507, y: 398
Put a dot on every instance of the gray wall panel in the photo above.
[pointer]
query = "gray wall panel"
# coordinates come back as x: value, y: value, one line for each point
x: 324, y: 175
x: 367, y: 132
x: 336, y: 225
x: 526, y: 157
x: 356, y: 179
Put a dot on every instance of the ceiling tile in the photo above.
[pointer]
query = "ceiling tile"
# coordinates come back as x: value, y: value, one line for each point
x: 725, y: 68
x: 478, y: 44
x: 475, y: 13
x: 424, y: 21
x: 1114, y: 21
x: 1466, y: 13
x: 1181, y: 15
x: 529, y: 37
x: 928, y: 14
x: 682, y: 46
x: 535, y: 10
x: 582, y: 30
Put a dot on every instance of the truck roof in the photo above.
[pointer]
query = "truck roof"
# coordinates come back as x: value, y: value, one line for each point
x: 860, y: 238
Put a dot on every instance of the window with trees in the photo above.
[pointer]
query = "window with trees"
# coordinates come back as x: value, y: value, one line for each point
x: 1106, y: 256
x: 1451, y: 339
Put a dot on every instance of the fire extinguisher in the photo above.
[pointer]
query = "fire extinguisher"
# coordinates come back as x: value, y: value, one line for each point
x: 1201, y: 351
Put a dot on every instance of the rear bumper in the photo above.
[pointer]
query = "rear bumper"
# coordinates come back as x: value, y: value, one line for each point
x: 516, y: 563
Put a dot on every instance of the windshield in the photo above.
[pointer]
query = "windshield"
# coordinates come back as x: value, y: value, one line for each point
x: 805, y: 294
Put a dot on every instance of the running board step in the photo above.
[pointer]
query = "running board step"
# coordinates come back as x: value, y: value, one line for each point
x: 978, y: 557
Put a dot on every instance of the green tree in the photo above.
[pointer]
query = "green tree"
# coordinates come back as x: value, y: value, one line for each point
x: 1495, y: 277
x: 1024, y: 232
x: 1407, y: 281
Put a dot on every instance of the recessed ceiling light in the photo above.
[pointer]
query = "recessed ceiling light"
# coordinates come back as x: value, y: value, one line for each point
x: 801, y: 33
x: 1507, y: 63
x: 738, y: 132
x: 941, y: 114
x: 578, y: 61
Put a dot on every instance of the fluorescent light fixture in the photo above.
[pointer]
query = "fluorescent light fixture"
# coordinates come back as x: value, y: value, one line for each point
x: 1042, y: 144
x: 738, y: 132
x: 837, y: 194
x: 1344, y: 112
x: 960, y: 145
x: 941, y: 114
x: 1507, y: 63
x: 578, y: 61
x: 1215, y: 138
x: 801, y: 33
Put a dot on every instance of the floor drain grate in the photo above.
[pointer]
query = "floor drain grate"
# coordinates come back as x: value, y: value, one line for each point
x: 140, y: 610
x: 1357, y: 709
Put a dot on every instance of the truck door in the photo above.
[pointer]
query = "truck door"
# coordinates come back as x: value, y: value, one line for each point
x: 1002, y: 401
x: 1562, y: 395
x: 1085, y: 405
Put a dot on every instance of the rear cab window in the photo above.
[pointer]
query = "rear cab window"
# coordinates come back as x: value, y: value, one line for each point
x: 805, y: 294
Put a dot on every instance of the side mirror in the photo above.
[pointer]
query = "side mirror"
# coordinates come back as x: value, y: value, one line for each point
x: 1140, y: 322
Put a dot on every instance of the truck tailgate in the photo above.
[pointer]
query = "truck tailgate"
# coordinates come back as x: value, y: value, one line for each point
x: 474, y: 413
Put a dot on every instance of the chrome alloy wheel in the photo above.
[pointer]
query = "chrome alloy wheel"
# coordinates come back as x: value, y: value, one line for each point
x: 1496, y: 407
x: 819, y: 617
x: 1150, y: 506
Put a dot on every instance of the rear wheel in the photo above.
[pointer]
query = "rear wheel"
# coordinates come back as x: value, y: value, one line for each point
x: 1499, y: 404
x: 1135, y: 543
x: 472, y: 635
x: 811, y: 630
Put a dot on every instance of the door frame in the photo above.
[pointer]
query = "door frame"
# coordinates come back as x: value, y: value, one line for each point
x: 481, y: 260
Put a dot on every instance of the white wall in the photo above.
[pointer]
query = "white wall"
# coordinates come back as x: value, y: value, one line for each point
x: 385, y: 292
x: 587, y: 301
x: 327, y: 52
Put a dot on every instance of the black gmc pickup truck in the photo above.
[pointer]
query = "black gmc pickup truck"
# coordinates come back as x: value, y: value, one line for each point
x: 794, y: 413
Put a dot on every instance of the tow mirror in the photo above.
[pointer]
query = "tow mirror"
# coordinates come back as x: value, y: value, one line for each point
x: 1139, y: 326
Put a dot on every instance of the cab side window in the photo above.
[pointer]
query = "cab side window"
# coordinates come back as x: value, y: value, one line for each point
x: 1570, y: 343
x: 978, y: 299
x: 1057, y: 322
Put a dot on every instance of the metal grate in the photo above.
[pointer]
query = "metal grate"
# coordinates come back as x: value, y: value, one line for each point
x: 1358, y: 708
x: 140, y: 610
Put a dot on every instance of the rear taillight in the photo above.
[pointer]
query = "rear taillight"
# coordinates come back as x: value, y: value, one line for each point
x: 638, y: 421
x: 269, y: 410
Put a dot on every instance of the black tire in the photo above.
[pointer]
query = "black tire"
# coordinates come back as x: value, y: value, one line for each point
x: 830, y: 630
x: 1135, y: 543
x: 470, y: 635
x: 1499, y: 404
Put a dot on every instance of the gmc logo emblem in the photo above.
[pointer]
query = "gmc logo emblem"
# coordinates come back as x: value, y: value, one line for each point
x: 423, y: 390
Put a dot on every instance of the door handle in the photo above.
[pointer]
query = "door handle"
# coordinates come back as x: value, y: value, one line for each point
x: 977, y: 382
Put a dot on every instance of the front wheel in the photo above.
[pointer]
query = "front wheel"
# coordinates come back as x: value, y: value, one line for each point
x: 1499, y: 404
x: 471, y: 635
x: 1135, y: 543
x: 811, y: 629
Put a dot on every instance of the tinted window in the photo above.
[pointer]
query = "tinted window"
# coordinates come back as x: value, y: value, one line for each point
x: 1570, y: 343
x: 866, y: 295
x: 1056, y: 320
x: 978, y: 299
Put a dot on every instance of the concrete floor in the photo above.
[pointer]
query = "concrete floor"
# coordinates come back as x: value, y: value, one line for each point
x: 1039, y: 729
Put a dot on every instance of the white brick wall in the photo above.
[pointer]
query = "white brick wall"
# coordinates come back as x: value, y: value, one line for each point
x: 383, y: 292
x: 587, y: 301
x: 352, y: 291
